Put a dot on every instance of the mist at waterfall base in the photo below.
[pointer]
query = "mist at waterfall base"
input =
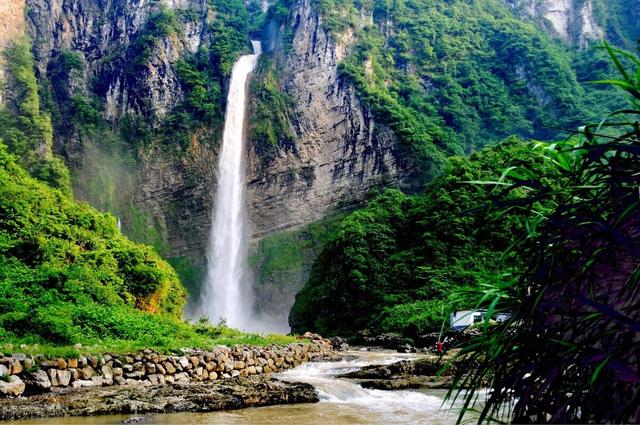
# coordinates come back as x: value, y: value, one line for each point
x: 228, y: 290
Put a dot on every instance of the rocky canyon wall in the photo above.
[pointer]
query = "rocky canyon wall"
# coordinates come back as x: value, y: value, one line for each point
x: 573, y: 21
x: 12, y: 25
x: 339, y: 152
x: 163, y: 193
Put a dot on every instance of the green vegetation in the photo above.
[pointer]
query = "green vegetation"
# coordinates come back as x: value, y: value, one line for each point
x: 191, y: 275
x: 270, y: 107
x: 569, y: 353
x: 453, y: 76
x: 461, y: 74
x: 67, y: 275
x: 394, y: 265
x: 162, y: 336
x: 202, y: 75
x: 621, y: 23
x: 162, y: 24
x: 24, y: 127
x: 285, y: 257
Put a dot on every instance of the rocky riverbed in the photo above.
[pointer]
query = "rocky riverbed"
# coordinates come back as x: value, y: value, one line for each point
x: 428, y: 372
x: 231, y: 394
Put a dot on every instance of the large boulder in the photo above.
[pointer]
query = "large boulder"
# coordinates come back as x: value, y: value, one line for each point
x: 37, y: 381
x: 12, y: 387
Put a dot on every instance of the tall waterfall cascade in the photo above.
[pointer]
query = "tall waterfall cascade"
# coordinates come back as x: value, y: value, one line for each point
x: 228, y: 293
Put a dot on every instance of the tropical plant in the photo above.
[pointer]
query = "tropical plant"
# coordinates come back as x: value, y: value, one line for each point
x: 571, y: 351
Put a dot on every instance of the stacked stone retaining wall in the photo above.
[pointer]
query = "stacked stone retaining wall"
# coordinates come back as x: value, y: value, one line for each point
x: 34, y: 374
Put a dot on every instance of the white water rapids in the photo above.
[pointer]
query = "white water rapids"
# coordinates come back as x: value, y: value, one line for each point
x: 227, y: 293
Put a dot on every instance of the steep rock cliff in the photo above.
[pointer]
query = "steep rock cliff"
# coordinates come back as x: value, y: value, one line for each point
x: 11, y: 26
x: 339, y: 150
x: 573, y: 21
x: 162, y: 197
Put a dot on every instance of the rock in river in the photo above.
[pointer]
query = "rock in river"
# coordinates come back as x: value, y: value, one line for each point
x: 207, y: 396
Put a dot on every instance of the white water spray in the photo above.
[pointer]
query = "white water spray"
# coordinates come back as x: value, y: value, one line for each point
x: 227, y: 293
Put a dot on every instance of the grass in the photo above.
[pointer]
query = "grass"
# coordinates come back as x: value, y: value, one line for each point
x: 187, y: 335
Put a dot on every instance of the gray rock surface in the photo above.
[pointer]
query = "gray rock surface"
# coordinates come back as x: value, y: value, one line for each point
x: 13, y: 387
x: 196, y: 397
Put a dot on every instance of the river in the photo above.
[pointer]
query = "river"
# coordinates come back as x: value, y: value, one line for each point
x: 342, y: 402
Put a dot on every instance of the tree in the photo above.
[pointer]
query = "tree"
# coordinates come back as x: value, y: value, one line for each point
x: 571, y: 351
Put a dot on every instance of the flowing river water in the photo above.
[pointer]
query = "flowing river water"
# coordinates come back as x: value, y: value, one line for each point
x: 342, y: 402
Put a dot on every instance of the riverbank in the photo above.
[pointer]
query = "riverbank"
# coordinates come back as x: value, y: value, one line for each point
x: 342, y: 401
x: 34, y: 386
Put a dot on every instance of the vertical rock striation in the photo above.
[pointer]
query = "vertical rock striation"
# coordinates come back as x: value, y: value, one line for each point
x: 572, y: 21
x: 12, y: 25
x: 340, y: 150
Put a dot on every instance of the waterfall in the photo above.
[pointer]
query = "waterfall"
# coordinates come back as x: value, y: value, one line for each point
x: 228, y: 293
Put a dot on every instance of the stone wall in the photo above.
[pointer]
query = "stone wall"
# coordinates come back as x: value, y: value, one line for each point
x: 34, y: 374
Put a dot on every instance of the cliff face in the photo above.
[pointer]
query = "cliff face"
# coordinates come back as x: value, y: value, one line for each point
x: 339, y: 151
x: 573, y: 21
x: 161, y: 194
x: 102, y: 31
x: 12, y: 25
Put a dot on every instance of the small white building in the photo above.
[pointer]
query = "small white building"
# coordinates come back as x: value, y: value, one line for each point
x: 464, y: 318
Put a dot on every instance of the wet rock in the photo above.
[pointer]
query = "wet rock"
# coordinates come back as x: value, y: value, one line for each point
x: 406, y: 348
x: 339, y: 343
x: 414, y: 382
x: 136, y: 420
x: 194, y: 397
x: 386, y: 340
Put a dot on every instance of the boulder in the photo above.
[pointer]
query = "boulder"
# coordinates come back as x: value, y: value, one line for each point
x: 86, y: 372
x: 37, y: 381
x: 141, y: 399
x: 107, y: 372
x: 16, y: 367
x: 181, y: 377
x: 64, y: 377
x: 169, y: 368
x: 184, y: 362
x: 53, y: 377
x: 14, y: 387
x: 4, y: 371
x: 82, y: 383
